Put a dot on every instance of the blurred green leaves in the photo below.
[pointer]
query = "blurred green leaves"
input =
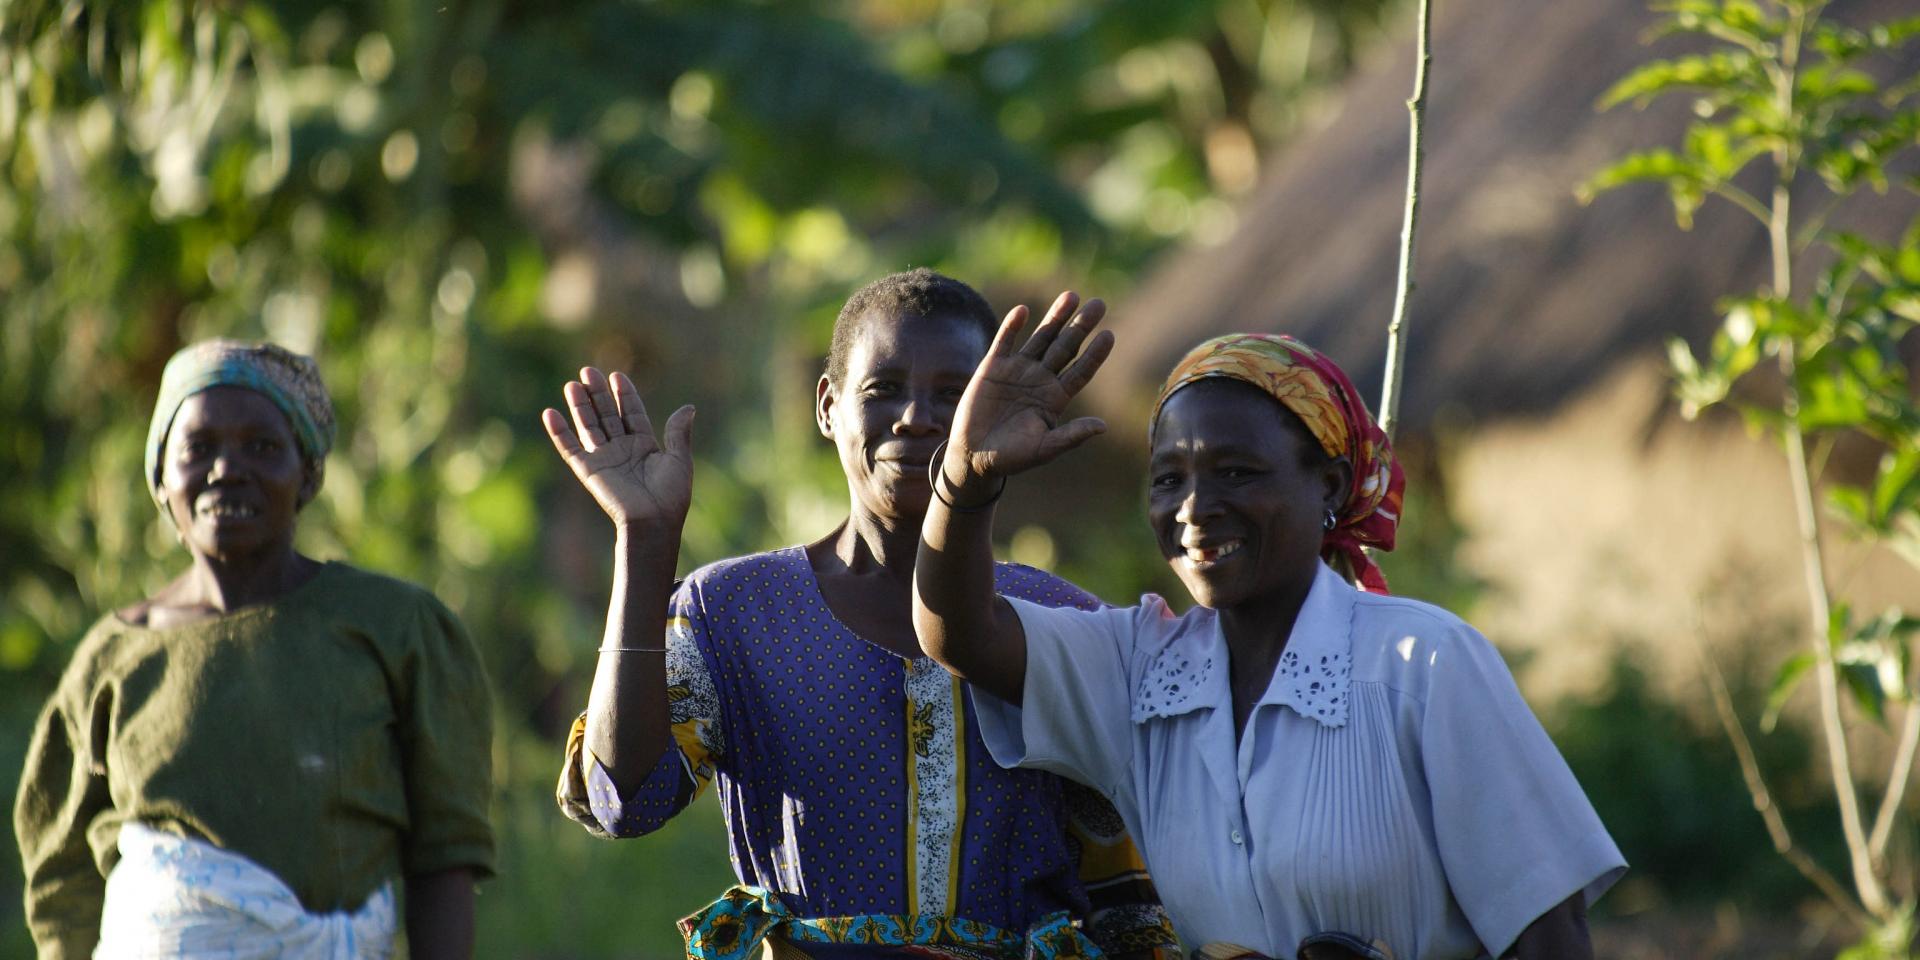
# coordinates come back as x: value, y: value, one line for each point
x: 455, y: 205
x: 1782, y: 96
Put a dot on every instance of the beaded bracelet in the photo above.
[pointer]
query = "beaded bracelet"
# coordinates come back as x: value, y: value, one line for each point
x: 631, y: 650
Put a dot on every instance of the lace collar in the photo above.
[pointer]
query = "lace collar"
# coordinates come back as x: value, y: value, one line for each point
x: 1311, y: 678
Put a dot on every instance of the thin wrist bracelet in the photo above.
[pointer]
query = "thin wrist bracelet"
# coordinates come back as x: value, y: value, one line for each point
x: 631, y: 650
x: 936, y: 472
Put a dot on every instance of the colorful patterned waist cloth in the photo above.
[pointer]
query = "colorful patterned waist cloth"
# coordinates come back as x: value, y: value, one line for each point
x: 735, y: 927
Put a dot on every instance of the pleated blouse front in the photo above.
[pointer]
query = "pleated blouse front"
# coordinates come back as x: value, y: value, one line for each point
x: 1391, y: 782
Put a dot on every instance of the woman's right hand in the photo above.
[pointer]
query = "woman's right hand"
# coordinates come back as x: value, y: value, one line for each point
x: 1008, y: 420
x: 641, y: 483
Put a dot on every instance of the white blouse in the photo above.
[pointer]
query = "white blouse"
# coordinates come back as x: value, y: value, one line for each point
x: 1391, y: 783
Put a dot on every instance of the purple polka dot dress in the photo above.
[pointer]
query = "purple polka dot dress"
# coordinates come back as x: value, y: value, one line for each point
x: 853, y: 780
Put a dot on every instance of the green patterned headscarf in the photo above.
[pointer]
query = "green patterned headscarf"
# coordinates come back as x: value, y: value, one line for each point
x: 291, y: 381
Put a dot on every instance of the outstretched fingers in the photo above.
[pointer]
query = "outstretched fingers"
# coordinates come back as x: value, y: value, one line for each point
x: 1082, y: 369
x: 1009, y: 332
x: 606, y: 408
x: 586, y: 419
x: 1044, y: 335
x: 633, y: 413
x: 565, y: 440
x: 1066, y: 344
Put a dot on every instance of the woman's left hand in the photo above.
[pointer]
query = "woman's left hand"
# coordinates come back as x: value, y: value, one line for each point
x: 1008, y: 420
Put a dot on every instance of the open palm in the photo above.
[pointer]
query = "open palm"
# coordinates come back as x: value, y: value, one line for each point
x: 610, y: 446
x: 1009, y: 418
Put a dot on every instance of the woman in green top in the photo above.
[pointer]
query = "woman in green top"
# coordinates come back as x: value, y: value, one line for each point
x: 249, y: 759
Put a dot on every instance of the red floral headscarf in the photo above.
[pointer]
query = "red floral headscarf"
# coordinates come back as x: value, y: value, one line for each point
x: 1319, y: 393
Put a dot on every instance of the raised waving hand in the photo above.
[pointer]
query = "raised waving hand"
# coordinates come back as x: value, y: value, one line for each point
x: 640, y: 481
x: 1009, y: 419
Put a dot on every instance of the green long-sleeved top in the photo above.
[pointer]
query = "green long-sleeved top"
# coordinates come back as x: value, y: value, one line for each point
x: 338, y: 736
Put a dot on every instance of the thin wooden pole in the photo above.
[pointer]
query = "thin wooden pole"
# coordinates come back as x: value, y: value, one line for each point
x: 1397, y: 329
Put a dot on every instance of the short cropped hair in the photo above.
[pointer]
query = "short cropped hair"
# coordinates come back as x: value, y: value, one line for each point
x: 918, y: 292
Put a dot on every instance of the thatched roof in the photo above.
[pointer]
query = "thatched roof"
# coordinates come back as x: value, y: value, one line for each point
x: 1524, y: 297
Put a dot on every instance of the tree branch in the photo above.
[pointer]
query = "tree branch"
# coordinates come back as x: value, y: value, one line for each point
x: 1896, y: 783
x: 1396, y: 329
x: 1744, y: 200
x: 1866, y: 880
x: 1763, y: 798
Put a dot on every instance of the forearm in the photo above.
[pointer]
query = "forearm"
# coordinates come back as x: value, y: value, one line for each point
x: 960, y: 621
x: 627, y: 711
x: 1558, y: 934
x: 440, y: 915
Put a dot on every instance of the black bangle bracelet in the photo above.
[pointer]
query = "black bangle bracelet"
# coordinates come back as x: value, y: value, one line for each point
x: 936, y: 472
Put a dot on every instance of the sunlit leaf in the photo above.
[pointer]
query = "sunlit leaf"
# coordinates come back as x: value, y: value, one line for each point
x: 1816, y: 84
x: 1875, y: 659
x: 1851, y: 505
x: 1762, y: 420
x: 1720, y: 154
x: 1785, y: 681
x: 1658, y: 165
x: 1694, y: 388
x: 1739, y: 22
x: 1829, y: 401
x: 1895, y: 33
x: 1862, y: 677
x: 1686, y: 197
x: 1706, y: 71
x: 1896, y: 485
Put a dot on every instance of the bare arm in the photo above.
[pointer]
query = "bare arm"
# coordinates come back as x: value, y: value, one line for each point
x: 1558, y: 934
x: 627, y: 717
x: 1006, y: 424
x: 440, y: 915
x: 961, y: 623
x: 645, y: 489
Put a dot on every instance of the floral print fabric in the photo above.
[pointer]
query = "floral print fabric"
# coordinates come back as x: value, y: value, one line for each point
x: 734, y: 927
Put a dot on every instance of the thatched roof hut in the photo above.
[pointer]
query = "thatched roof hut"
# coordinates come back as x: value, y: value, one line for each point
x: 1525, y: 298
x: 1538, y: 331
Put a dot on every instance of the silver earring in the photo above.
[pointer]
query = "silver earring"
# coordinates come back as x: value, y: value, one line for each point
x: 1329, y: 521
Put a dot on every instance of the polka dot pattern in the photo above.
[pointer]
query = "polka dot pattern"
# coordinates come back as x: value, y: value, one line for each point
x: 809, y: 752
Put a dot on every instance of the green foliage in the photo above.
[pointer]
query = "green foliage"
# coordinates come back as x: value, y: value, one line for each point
x: 561, y: 892
x: 1784, y: 86
x: 1846, y: 340
x: 454, y: 205
x: 1803, y: 99
x: 1670, y: 793
x: 1894, y: 941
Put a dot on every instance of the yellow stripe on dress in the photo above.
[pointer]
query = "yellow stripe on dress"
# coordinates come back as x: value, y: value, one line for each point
x: 959, y: 793
x: 934, y: 787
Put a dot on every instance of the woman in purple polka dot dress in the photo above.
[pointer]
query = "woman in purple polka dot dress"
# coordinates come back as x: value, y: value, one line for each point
x: 863, y: 812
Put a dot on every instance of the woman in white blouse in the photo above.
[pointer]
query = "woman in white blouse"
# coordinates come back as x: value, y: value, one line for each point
x: 1310, y: 769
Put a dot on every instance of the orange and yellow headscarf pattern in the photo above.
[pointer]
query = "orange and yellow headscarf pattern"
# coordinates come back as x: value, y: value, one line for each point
x: 1317, y: 391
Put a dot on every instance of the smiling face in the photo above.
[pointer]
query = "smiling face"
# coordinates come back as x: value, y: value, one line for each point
x: 1237, y: 493
x: 894, y: 404
x: 232, y: 477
